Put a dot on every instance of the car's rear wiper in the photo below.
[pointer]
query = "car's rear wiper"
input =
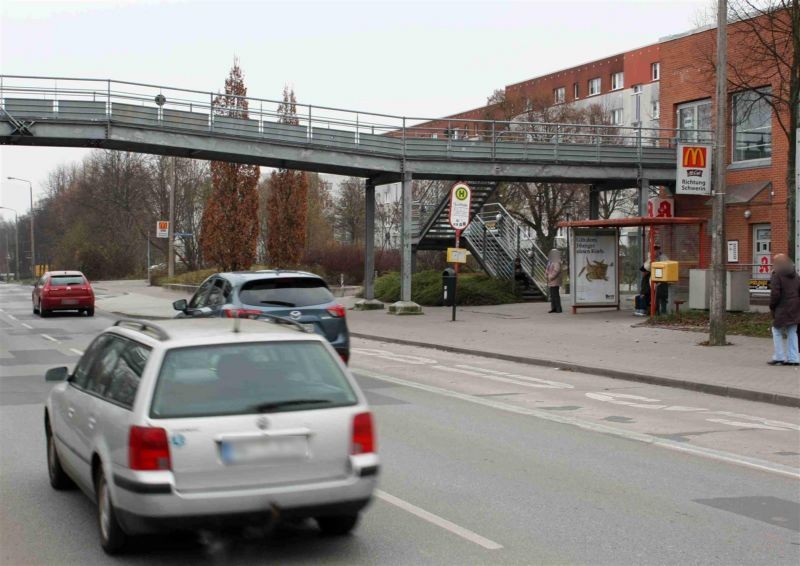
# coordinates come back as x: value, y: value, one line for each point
x: 271, y: 406
x: 281, y: 303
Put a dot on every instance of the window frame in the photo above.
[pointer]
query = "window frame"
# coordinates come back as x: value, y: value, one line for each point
x: 599, y: 86
x: 655, y: 71
x: 655, y: 109
x: 562, y: 91
x: 617, y: 112
x: 695, y: 105
x: 754, y: 161
x: 576, y: 90
x: 618, y: 76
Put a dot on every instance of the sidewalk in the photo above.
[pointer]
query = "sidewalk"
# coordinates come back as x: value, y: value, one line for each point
x: 596, y: 342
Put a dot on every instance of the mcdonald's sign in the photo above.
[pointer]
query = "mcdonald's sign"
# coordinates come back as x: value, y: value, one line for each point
x: 694, y: 170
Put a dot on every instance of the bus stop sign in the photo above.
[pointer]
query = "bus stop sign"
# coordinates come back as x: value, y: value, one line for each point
x: 460, y: 206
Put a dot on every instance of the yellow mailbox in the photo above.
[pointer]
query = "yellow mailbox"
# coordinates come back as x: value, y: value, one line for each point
x: 664, y: 271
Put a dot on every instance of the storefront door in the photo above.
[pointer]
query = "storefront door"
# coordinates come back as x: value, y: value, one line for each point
x: 762, y: 257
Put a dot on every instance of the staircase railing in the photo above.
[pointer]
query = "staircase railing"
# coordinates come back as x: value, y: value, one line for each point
x: 426, y: 206
x: 498, y: 238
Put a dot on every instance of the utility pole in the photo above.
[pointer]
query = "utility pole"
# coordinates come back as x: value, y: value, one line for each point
x: 717, y: 300
x: 171, y: 233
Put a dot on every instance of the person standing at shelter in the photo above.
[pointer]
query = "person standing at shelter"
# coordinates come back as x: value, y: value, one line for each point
x: 784, y: 302
x: 554, y: 276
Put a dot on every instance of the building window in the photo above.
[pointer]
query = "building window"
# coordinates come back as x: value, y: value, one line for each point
x: 617, y: 80
x: 752, y: 126
x: 616, y: 117
x: 694, y: 121
x: 655, y: 109
x: 575, y: 91
x: 559, y: 94
x: 655, y: 71
x: 637, y: 89
x: 594, y: 86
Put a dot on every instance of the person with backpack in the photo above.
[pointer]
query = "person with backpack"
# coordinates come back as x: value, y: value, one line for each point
x: 784, y: 303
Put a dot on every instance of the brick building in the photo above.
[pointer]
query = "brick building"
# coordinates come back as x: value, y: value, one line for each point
x: 670, y: 84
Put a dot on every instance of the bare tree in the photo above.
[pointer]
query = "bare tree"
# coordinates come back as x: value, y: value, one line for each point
x: 349, y: 210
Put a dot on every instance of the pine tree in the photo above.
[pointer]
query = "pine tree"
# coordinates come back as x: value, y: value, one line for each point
x: 229, y: 230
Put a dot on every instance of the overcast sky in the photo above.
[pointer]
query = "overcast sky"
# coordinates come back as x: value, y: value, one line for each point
x: 426, y: 58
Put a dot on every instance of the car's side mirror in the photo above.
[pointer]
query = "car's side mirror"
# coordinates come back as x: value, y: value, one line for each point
x: 56, y: 374
x: 180, y: 305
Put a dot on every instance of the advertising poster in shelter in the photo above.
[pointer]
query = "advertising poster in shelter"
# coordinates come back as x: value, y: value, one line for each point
x: 593, y: 269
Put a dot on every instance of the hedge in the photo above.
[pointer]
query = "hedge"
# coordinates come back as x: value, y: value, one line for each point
x: 426, y: 289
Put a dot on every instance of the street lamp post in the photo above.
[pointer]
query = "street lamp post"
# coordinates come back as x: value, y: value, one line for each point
x: 16, y: 240
x: 33, y: 239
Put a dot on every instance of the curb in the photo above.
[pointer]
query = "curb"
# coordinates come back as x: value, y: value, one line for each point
x: 721, y: 390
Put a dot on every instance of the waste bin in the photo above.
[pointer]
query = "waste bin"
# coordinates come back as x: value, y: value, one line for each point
x: 448, y: 287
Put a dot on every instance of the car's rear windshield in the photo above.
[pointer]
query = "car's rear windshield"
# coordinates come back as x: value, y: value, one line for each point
x: 255, y: 377
x: 285, y: 292
x: 60, y: 280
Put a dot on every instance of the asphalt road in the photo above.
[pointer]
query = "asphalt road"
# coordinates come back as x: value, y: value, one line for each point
x: 476, y: 469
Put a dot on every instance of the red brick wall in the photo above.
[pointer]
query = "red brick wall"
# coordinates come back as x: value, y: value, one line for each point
x: 687, y: 75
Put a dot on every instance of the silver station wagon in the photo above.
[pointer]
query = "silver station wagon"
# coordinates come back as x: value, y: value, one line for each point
x: 211, y: 423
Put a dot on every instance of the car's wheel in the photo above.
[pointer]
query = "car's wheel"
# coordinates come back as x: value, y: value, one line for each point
x: 112, y: 537
x: 90, y: 312
x: 43, y: 313
x: 59, y: 479
x: 337, y: 525
x: 35, y: 309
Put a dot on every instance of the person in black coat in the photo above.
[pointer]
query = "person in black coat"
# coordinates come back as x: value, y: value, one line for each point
x: 642, y: 300
x: 784, y: 302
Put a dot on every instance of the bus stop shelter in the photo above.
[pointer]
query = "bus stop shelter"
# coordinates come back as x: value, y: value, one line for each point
x: 597, y: 262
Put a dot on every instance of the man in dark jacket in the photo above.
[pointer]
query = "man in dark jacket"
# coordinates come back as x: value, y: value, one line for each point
x: 784, y: 302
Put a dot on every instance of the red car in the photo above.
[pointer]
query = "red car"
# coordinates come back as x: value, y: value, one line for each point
x: 62, y: 291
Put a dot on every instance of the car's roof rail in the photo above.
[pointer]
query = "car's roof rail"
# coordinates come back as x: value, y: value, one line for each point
x: 275, y: 319
x: 144, y: 327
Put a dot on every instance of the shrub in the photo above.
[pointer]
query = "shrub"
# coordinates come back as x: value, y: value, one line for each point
x: 426, y: 289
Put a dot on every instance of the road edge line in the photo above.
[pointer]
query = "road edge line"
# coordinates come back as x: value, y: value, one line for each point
x: 720, y: 390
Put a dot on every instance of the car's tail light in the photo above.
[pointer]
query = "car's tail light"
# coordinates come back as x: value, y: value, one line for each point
x: 148, y: 449
x: 363, y: 434
x: 345, y: 356
x: 242, y: 313
x: 337, y: 311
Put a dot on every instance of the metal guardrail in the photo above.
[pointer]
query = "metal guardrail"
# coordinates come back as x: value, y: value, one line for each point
x: 198, y: 112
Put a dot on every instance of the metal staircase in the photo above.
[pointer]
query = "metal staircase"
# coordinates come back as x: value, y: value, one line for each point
x: 430, y: 214
x: 494, y: 237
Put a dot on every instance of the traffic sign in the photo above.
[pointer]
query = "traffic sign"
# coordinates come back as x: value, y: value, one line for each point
x: 162, y: 229
x: 460, y: 206
x: 457, y: 255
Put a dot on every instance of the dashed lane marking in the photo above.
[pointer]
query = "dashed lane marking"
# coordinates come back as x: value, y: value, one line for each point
x: 28, y: 326
x: 76, y: 351
x: 48, y: 337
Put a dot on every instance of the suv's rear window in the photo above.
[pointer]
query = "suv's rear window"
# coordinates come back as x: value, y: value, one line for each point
x: 285, y: 292
x: 231, y: 379
x: 60, y: 280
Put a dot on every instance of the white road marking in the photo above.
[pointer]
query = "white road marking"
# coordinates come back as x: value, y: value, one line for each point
x: 12, y: 317
x: 46, y: 337
x: 28, y: 326
x: 726, y: 417
x: 438, y: 521
x: 597, y: 427
x: 76, y: 351
x: 535, y: 381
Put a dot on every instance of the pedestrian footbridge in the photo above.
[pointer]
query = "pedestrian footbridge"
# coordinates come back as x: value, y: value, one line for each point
x: 49, y: 111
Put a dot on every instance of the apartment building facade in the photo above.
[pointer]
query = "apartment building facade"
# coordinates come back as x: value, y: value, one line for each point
x: 670, y: 85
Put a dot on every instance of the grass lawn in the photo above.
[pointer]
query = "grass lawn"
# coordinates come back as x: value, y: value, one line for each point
x: 756, y: 324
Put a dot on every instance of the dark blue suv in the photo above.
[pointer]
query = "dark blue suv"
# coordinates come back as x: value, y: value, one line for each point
x: 296, y: 295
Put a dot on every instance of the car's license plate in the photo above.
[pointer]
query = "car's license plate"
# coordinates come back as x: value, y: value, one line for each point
x: 69, y: 301
x: 280, y: 449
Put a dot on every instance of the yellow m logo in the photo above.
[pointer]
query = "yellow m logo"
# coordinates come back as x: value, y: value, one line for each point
x: 694, y: 157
